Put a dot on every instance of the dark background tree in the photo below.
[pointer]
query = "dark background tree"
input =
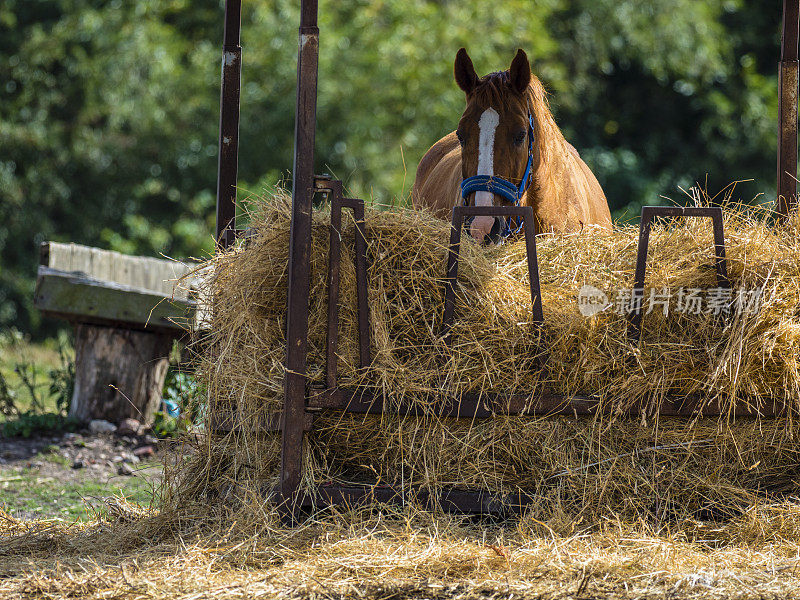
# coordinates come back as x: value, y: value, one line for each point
x: 109, y: 109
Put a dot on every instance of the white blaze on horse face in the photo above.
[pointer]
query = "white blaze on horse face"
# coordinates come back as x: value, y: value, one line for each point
x: 487, y: 126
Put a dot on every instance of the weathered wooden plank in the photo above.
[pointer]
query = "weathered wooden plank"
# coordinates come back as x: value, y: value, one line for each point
x: 142, y: 272
x: 76, y: 296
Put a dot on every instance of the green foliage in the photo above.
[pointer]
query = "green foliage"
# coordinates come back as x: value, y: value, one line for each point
x: 109, y: 109
x: 108, y: 116
x: 32, y: 406
x: 182, y: 389
x: 164, y: 426
x: 29, y: 424
x: 62, y: 379
x: 7, y: 405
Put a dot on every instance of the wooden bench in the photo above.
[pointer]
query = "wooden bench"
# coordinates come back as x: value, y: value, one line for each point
x: 127, y: 312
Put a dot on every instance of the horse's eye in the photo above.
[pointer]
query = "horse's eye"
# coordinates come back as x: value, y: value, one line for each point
x: 519, y: 138
x: 460, y: 137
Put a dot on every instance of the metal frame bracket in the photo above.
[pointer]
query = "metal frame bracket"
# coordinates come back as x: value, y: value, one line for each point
x: 337, y: 202
x: 457, y: 223
x: 649, y: 213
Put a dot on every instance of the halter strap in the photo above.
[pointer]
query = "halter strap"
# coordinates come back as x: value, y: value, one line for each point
x: 503, y: 187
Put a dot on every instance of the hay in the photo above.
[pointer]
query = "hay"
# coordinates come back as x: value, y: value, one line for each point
x: 580, y: 468
x: 399, y: 553
x: 650, y: 508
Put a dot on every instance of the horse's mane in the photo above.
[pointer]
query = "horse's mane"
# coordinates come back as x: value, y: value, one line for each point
x: 495, y: 89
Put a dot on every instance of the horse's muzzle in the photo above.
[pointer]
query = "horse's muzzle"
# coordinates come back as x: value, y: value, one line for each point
x: 494, y: 236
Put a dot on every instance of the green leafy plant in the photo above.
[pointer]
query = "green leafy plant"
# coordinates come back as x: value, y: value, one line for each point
x: 7, y: 405
x: 48, y: 409
x: 62, y: 378
x: 165, y: 426
x: 26, y: 371
x: 182, y: 391
x: 181, y: 388
x: 29, y: 424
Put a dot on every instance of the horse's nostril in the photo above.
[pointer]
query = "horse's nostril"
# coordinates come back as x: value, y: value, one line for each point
x: 495, y: 234
x: 496, y: 227
x: 486, y: 230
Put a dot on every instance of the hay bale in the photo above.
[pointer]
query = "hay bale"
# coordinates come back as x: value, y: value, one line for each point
x: 573, y: 465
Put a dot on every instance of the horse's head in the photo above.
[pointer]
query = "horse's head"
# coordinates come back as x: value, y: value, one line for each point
x: 496, y: 137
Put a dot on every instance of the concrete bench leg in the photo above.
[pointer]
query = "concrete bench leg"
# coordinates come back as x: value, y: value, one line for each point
x: 119, y: 373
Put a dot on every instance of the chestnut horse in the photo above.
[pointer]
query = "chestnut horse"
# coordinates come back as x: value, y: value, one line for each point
x: 508, y: 150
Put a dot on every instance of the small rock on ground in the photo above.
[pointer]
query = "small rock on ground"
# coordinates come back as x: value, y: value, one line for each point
x: 144, y: 451
x: 101, y: 426
x: 124, y: 469
x: 129, y: 427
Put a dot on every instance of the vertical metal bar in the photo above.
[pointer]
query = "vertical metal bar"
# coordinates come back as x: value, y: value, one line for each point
x: 334, y: 263
x: 720, y: 263
x: 228, y: 160
x: 635, y: 316
x: 787, y: 108
x: 452, y: 272
x: 529, y: 225
x: 529, y: 229
x: 334, y: 188
x: 361, y: 284
x: 294, y: 403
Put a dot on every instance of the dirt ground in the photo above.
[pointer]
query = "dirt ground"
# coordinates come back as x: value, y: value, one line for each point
x: 63, y: 476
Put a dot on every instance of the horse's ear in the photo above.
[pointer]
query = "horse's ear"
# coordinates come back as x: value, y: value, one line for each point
x: 520, y: 72
x: 466, y: 77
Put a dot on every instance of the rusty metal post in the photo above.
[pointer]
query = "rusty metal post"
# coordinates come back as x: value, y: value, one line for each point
x: 787, y: 108
x: 294, y: 403
x: 334, y: 278
x: 228, y: 164
x: 361, y: 283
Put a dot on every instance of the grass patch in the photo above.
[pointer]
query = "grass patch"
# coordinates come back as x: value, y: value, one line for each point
x: 53, y: 457
x: 29, y: 492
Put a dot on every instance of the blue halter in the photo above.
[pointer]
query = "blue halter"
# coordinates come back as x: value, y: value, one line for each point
x: 503, y: 187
